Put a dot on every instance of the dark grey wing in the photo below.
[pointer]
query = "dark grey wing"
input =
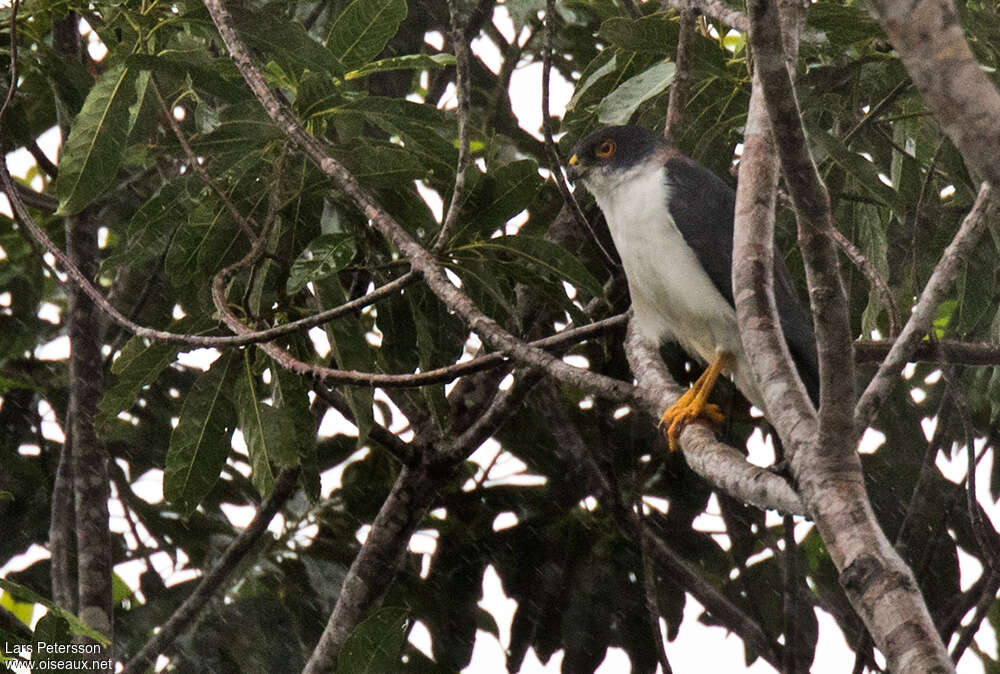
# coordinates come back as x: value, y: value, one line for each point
x: 703, y: 207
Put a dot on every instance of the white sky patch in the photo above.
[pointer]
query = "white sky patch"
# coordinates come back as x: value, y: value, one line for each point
x: 57, y: 349
x: 201, y: 359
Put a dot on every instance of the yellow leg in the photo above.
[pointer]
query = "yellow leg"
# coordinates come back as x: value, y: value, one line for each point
x: 694, y: 405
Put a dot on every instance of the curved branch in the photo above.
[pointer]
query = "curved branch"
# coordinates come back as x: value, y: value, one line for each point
x: 787, y: 404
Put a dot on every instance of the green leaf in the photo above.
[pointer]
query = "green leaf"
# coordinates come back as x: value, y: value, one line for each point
x: 363, y: 29
x: 92, y: 153
x: 203, y: 78
x: 499, y: 196
x: 375, y: 645
x: 199, y: 444
x: 54, y: 629
x: 407, y: 62
x: 325, y: 255
x: 383, y: 165
x: 588, y: 79
x: 76, y: 626
x: 866, y: 172
x: 138, y: 365
x: 419, y: 126
x: 22, y: 610
x: 291, y: 397
x: 618, y: 106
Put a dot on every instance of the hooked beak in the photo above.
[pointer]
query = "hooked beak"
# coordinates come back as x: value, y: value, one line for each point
x: 575, y: 169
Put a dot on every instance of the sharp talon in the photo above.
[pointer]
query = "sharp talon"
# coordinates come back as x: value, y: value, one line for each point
x: 679, y: 415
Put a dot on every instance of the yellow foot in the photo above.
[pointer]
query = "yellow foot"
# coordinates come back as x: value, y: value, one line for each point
x: 686, y: 410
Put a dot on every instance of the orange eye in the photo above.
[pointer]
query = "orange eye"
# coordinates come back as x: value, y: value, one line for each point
x: 606, y: 149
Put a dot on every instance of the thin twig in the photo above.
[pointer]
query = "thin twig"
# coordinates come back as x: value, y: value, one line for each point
x: 196, y: 166
x: 875, y: 277
x: 555, y: 164
x: 876, y: 110
x: 983, y: 606
x: 967, y: 237
x: 680, y: 88
x: 460, y: 43
x: 649, y: 592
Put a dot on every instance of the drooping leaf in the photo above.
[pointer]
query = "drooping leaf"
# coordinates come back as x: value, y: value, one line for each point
x: 350, y: 351
x: 139, y: 364
x: 199, y: 443
x: 287, y: 42
x: 362, y: 30
x: 547, y: 256
x: 291, y: 397
x: 654, y: 33
x: 92, y: 154
x: 374, y: 646
x: 595, y: 71
x: 618, y: 106
x: 268, y: 432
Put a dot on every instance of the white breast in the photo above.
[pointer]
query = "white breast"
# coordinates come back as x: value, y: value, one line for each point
x: 672, y: 295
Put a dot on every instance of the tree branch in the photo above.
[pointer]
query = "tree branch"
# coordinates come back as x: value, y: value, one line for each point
x: 985, y: 209
x: 284, y: 487
x: 488, y: 329
x: 715, y: 10
x: 374, y: 567
x: 460, y: 42
x: 89, y: 454
x: 680, y: 88
x: 944, y: 351
x: 787, y: 404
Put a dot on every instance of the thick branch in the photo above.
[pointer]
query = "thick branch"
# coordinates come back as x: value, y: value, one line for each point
x: 812, y: 208
x: 375, y: 566
x: 89, y: 455
x: 879, y: 585
x: 717, y: 462
x: 983, y: 211
x: 928, y: 36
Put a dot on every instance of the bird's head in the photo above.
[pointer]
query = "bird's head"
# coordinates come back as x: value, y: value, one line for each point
x: 607, y: 156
